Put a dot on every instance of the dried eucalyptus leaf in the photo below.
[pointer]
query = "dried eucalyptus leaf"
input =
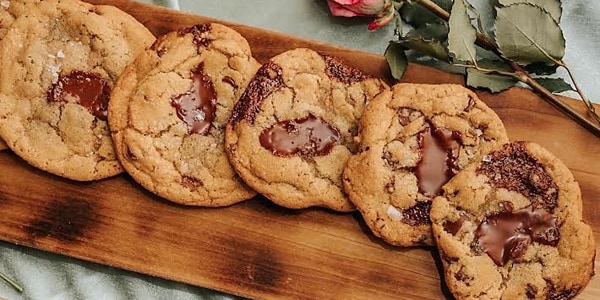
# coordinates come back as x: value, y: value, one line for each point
x: 473, y: 12
x: 493, y: 82
x: 396, y: 59
x: 462, y: 34
x: 553, y: 7
x: 429, y: 40
x: 432, y: 31
x: 494, y: 64
x: 541, y: 69
x: 431, y: 48
x: 527, y: 34
x: 416, y: 15
x: 555, y: 85
x: 413, y: 56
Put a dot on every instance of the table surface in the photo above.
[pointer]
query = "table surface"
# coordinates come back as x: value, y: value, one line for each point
x: 49, y: 276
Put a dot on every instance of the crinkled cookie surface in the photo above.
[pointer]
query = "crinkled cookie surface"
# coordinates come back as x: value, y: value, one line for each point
x: 509, y: 226
x: 293, y: 130
x: 413, y: 139
x: 60, y: 62
x: 169, y: 111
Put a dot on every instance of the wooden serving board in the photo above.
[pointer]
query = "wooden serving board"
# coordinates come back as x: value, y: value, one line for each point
x: 256, y: 249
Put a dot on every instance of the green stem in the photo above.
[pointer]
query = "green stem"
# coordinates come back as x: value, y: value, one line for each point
x: 12, y: 283
x: 486, y: 43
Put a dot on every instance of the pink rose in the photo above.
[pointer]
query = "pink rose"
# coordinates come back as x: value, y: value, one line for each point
x: 382, y: 10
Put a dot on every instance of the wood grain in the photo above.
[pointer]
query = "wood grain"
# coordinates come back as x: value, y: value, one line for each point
x: 256, y: 249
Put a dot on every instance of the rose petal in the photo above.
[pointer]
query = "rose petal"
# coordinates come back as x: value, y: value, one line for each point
x: 367, y: 7
x: 384, y: 18
x: 339, y: 10
x: 346, y: 2
x: 352, y: 8
x: 380, y: 22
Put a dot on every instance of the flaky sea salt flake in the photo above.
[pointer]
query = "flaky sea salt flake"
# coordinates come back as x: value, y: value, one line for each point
x: 200, y: 116
x: 394, y: 213
x: 55, y: 70
x: 479, y: 132
x: 5, y: 4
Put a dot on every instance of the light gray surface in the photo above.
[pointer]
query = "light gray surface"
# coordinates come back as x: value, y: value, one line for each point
x: 49, y: 276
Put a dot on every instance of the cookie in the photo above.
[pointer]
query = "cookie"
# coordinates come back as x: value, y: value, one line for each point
x: 59, y: 63
x: 413, y: 139
x: 292, y: 130
x: 169, y: 111
x: 9, y: 11
x: 509, y: 226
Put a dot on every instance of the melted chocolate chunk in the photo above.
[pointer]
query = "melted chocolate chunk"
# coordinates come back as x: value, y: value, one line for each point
x: 390, y: 186
x: 197, y: 107
x: 439, y: 160
x: 157, y: 46
x: 229, y: 80
x: 418, y: 214
x: 530, y: 291
x: 129, y: 155
x: 407, y: 115
x: 506, y: 235
x: 454, y: 227
x: 267, y: 80
x: 307, y: 137
x: 191, y: 182
x: 198, y: 32
x: 336, y: 69
x: 563, y: 294
x: 470, y: 104
x: 514, y: 169
x: 91, y: 91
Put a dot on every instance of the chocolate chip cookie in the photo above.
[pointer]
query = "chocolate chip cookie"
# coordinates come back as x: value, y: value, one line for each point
x: 509, y: 226
x: 413, y: 139
x: 59, y: 63
x: 292, y: 130
x: 169, y: 111
x: 9, y: 11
